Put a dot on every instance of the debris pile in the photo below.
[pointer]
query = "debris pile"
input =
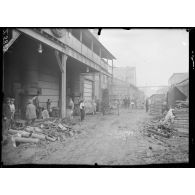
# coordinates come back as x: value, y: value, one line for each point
x: 159, y: 128
x: 174, y: 122
x: 181, y: 121
x: 43, y: 130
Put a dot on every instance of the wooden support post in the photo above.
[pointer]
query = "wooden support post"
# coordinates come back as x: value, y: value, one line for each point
x: 63, y: 86
x: 62, y: 65
x: 93, y: 92
x: 100, y: 86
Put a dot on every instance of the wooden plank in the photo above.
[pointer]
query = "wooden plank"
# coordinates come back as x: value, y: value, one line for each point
x: 87, y: 90
x: 157, y: 133
x: 181, y: 125
x: 25, y: 140
x: 88, y: 86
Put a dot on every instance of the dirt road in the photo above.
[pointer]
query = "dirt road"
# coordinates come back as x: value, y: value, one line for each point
x: 105, y: 140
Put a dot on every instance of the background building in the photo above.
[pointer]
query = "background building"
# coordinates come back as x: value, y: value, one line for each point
x: 127, y: 74
x: 178, y: 89
x: 177, y: 77
x: 57, y: 64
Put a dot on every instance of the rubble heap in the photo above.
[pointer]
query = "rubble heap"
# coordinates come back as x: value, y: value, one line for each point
x: 158, y: 128
x: 43, y: 130
x: 174, y: 122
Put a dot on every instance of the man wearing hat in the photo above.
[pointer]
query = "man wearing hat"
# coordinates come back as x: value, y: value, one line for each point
x: 12, y: 109
x: 82, y: 109
x: 6, y: 118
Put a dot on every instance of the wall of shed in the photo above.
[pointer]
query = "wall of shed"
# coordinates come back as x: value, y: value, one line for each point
x: 49, y: 79
x: 27, y: 72
x: 173, y: 95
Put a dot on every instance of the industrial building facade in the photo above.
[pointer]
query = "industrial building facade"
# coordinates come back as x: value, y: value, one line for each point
x: 56, y: 64
x: 122, y: 89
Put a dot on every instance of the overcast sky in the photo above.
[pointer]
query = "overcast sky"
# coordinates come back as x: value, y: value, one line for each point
x: 156, y: 53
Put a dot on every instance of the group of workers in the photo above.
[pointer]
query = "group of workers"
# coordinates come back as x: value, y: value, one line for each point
x: 71, y: 107
x: 32, y: 111
x: 129, y: 103
x: 8, y: 113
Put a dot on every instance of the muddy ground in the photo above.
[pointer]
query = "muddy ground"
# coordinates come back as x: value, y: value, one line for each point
x: 105, y: 140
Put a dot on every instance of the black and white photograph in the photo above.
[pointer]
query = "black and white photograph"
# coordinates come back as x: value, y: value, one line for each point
x: 95, y: 96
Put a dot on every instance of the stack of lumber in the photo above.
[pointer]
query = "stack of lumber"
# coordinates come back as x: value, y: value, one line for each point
x: 181, y: 121
x: 156, y: 108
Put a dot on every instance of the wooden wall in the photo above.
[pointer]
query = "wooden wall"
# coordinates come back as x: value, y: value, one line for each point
x: 49, y: 80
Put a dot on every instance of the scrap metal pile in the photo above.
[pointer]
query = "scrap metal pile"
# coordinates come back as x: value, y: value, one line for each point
x: 44, y: 130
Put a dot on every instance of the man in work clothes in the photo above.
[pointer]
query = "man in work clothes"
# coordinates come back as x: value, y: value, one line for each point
x: 82, y: 110
x: 13, y: 109
x: 147, y: 105
x: 6, y: 119
x: 37, y: 105
x: 71, y: 107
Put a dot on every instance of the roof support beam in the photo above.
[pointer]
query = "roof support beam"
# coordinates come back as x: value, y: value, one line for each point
x: 59, y: 61
x: 62, y: 48
x: 15, y: 35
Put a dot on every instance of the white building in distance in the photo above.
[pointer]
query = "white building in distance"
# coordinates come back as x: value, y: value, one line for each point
x: 127, y: 74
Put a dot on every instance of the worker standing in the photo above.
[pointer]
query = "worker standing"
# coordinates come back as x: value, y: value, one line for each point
x: 71, y: 107
x: 147, y: 104
x: 82, y: 110
x: 132, y: 104
x: 49, y: 107
x: 12, y: 109
x: 6, y: 119
x: 36, y: 103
